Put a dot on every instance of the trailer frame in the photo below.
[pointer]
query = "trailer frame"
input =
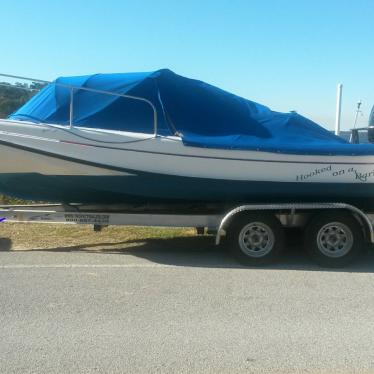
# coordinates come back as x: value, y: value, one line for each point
x: 289, y: 214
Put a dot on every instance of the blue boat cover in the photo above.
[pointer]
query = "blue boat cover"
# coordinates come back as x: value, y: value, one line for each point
x: 203, y: 115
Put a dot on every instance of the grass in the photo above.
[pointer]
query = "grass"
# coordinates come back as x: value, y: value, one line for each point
x: 6, y: 200
x: 36, y: 236
x: 29, y: 236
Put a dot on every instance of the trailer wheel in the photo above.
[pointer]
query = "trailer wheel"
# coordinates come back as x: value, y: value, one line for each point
x: 255, y: 239
x: 333, y: 239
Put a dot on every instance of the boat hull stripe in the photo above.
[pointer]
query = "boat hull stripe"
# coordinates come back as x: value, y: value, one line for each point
x: 112, y: 167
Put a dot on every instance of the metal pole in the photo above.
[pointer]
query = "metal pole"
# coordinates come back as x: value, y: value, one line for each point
x: 71, y: 111
x: 338, y: 108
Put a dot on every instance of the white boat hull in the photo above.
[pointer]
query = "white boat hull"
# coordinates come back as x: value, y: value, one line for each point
x: 142, y: 167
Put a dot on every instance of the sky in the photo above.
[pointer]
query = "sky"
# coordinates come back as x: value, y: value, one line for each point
x: 286, y: 54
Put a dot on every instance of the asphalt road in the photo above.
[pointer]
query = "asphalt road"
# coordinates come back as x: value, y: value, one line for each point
x: 163, y: 309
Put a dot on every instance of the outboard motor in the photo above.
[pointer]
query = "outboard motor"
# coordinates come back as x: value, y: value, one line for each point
x: 355, y: 137
x: 371, y: 134
x: 371, y: 127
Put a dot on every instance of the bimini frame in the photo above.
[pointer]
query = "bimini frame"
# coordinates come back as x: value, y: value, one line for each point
x: 74, y: 89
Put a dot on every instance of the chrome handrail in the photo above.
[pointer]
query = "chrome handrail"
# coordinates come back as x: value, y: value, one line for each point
x: 24, y: 78
x: 77, y: 88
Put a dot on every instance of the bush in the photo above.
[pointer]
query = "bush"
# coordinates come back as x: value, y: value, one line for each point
x: 11, y: 98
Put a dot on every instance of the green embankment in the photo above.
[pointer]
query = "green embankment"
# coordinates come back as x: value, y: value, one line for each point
x: 11, y: 98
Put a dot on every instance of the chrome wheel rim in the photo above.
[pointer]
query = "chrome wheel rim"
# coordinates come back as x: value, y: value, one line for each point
x: 256, y: 239
x: 335, y: 239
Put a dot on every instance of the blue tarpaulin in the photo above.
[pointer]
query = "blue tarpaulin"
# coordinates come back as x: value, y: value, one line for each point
x: 203, y: 115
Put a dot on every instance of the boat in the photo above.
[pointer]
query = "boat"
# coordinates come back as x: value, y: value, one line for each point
x: 160, y: 138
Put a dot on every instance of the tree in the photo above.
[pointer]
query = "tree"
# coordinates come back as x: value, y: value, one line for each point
x: 12, y: 97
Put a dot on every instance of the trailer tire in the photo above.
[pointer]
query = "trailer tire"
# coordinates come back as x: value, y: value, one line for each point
x: 255, y: 239
x: 333, y: 239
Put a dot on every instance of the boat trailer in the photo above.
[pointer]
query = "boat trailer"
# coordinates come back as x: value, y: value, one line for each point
x: 333, y: 232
